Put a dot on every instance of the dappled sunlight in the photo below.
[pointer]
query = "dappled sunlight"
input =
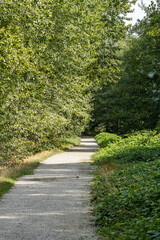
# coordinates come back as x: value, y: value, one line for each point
x: 8, y: 217
x: 55, y: 198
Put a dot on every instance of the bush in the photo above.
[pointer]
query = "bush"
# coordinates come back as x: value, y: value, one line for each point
x: 142, y: 146
x: 126, y: 190
x: 128, y: 206
x: 104, y: 138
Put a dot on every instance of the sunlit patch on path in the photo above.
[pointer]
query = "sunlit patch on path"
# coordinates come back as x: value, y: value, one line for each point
x: 53, y: 203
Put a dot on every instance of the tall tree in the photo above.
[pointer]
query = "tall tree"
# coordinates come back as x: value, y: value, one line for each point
x: 52, y: 53
x: 132, y: 101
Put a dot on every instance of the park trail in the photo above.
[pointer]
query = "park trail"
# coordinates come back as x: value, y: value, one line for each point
x: 54, y: 202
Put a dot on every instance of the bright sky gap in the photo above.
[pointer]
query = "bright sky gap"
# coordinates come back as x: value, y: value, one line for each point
x: 138, y: 12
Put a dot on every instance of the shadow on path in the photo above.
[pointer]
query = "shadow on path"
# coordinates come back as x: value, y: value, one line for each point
x: 53, y: 203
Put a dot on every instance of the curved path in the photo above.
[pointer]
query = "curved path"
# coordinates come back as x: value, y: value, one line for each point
x: 53, y: 203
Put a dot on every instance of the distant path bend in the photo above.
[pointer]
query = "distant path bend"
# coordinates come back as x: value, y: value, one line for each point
x: 53, y: 203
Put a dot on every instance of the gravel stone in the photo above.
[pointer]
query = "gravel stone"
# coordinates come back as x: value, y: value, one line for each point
x: 54, y: 202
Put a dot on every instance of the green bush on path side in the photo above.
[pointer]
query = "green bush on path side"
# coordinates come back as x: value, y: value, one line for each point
x: 104, y: 138
x: 143, y: 146
x: 128, y: 206
x: 126, y: 189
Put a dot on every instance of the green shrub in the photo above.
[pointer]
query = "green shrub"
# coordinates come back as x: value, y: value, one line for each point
x: 104, y: 138
x: 142, y: 146
x: 126, y: 202
x: 127, y: 206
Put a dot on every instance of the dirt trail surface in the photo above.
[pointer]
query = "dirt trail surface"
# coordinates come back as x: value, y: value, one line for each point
x: 53, y: 203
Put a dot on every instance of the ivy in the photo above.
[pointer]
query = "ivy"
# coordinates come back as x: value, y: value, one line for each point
x: 126, y: 195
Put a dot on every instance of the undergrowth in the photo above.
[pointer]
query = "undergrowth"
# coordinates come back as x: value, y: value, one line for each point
x: 136, y: 147
x: 126, y: 192
x: 104, y: 138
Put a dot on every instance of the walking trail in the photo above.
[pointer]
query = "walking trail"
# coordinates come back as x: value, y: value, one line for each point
x: 53, y: 203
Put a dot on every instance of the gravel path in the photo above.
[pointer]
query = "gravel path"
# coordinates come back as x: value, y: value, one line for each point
x: 53, y: 203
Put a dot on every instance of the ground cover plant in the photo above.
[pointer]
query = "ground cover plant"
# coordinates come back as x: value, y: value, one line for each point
x: 126, y: 194
x: 140, y: 146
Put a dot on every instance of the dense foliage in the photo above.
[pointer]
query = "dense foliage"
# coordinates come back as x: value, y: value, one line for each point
x: 131, y: 100
x: 137, y: 147
x: 126, y: 201
x: 104, y: 138
x: 131, y: 209
x: 47, y: 52
x: 126, y: 189
x: 39, y: 103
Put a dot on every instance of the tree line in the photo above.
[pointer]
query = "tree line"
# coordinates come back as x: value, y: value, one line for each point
x: 51, y: 57
x: 131, y: 101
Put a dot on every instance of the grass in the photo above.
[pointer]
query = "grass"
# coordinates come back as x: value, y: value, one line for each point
x: 9, y: 175
x: 102, y: 184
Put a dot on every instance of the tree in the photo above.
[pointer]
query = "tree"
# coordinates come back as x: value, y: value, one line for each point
x: 132, y: 101
x: 50, y: 59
